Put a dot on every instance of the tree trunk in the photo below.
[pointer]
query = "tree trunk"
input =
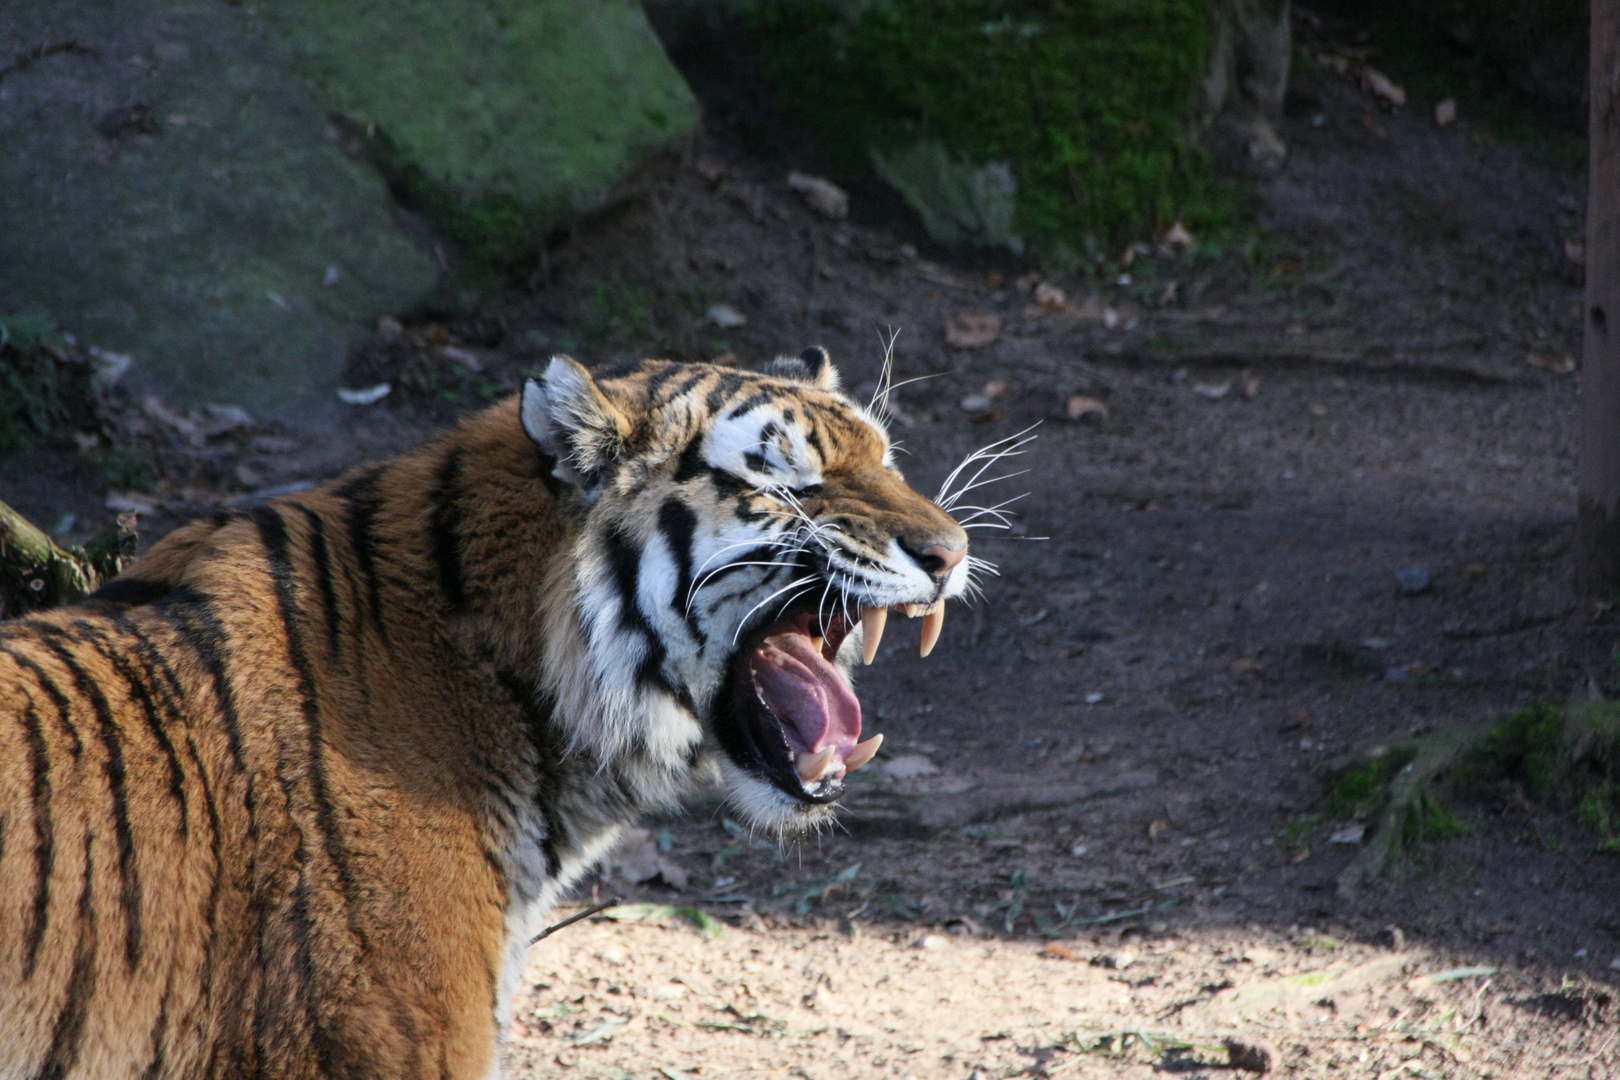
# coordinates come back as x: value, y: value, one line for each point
x: 1598, y: 475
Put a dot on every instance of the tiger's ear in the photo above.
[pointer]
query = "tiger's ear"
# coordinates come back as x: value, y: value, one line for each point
x: 813, y: 367
x: 571, y: 420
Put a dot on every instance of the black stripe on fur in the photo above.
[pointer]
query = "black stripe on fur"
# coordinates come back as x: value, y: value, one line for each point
x: 68, y: 1029
x: 322, y: 556
x: 113, y: 768
x: 363, y: 503
x: 678, y: 524
x: 444, y: 530
x: 44, y: 837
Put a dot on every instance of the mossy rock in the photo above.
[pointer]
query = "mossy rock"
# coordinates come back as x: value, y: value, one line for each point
x: 195, y: 183
x: 502, y: 118
x: 1086, y: 105
x: 171, y: 192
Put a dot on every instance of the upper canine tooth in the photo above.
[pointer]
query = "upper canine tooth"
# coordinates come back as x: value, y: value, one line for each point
x: 873, y: 619
x: 862, y: 753
x: 818, y: 643
x: 812, y: 766
x: 933, y: 623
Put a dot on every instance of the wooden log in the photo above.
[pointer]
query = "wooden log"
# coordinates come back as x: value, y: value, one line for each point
x: 36, y: 573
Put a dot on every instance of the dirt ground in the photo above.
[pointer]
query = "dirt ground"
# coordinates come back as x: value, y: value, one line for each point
x: 1095, y: 845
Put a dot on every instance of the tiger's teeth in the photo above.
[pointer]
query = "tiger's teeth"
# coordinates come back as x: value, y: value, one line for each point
x: 812, y: 766
x: 933, y: 623
x: 914, y: 610
x: 818, y: 643
x: 873, y: 619
x: 862, y: 753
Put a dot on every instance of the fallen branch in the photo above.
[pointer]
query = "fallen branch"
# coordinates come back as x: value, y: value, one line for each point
x: 36, y: 573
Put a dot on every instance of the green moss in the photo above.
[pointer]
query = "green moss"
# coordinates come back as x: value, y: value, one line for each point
x: 1527, y: 747
x: 1431, y: 820
x: 1087, y: 101
x: 1292, y: 835
x: 125, y: 470
x: 501, y: 119
x: 1362, y: 789
x: 31, y: 376
x: 1599, y: 810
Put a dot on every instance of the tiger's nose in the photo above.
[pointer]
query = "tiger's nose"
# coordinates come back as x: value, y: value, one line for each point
x: 939, y: 560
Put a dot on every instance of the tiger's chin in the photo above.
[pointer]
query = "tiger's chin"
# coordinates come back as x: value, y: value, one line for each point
x: 788, y: 720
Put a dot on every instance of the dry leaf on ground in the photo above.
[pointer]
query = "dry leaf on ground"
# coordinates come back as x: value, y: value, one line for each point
x: 909, y: 767
x: 465, y: 357
x: 369, y: 395
x: 823, y: 196
x: 1213, y: 391
x: 1049, y: 297
x: 1445, y: 112
x: 1381, y: 86
x: 1557, y: 363
x: 1081, y: 407
x: 725, y: 316
x: 1177, y: 236
x: 972, y: 330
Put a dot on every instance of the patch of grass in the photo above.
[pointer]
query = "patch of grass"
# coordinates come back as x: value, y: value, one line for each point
x: 1599, y: 810
x: 1088, y: 102
x: 1292, y: 835
x: 619, y: 312
x: 124, y: 470
x: 31, y: 379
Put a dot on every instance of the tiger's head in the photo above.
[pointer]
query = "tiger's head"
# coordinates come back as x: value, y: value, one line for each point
x: 739, y: 541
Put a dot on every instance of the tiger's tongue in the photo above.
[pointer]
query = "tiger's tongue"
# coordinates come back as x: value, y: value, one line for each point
x: 809, y: 696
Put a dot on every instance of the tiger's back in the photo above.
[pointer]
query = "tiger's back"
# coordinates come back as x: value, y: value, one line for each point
x: 232, y: 778
x: 291, y: 796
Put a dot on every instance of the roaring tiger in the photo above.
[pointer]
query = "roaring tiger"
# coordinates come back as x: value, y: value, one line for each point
x: 291, y: 797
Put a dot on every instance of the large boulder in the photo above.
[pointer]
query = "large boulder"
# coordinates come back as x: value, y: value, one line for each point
x: 198, y: 184
x: 503, y: 118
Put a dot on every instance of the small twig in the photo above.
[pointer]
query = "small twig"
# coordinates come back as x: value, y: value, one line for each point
x: 1099, y: 920
x: 572, y: 919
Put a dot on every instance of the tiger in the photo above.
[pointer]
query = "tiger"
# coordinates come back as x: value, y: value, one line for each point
x: 292, y: 796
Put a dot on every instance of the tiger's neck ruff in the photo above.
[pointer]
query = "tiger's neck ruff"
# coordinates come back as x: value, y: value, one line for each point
x: 353, y: 744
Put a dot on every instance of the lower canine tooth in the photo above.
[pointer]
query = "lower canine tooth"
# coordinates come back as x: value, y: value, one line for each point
x: 933, y: 623
x: 812, y: 766
x: 862, y: 753
x: 873, y: 619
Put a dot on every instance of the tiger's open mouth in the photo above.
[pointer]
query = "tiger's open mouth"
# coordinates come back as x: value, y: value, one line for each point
x: 790, y: 710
